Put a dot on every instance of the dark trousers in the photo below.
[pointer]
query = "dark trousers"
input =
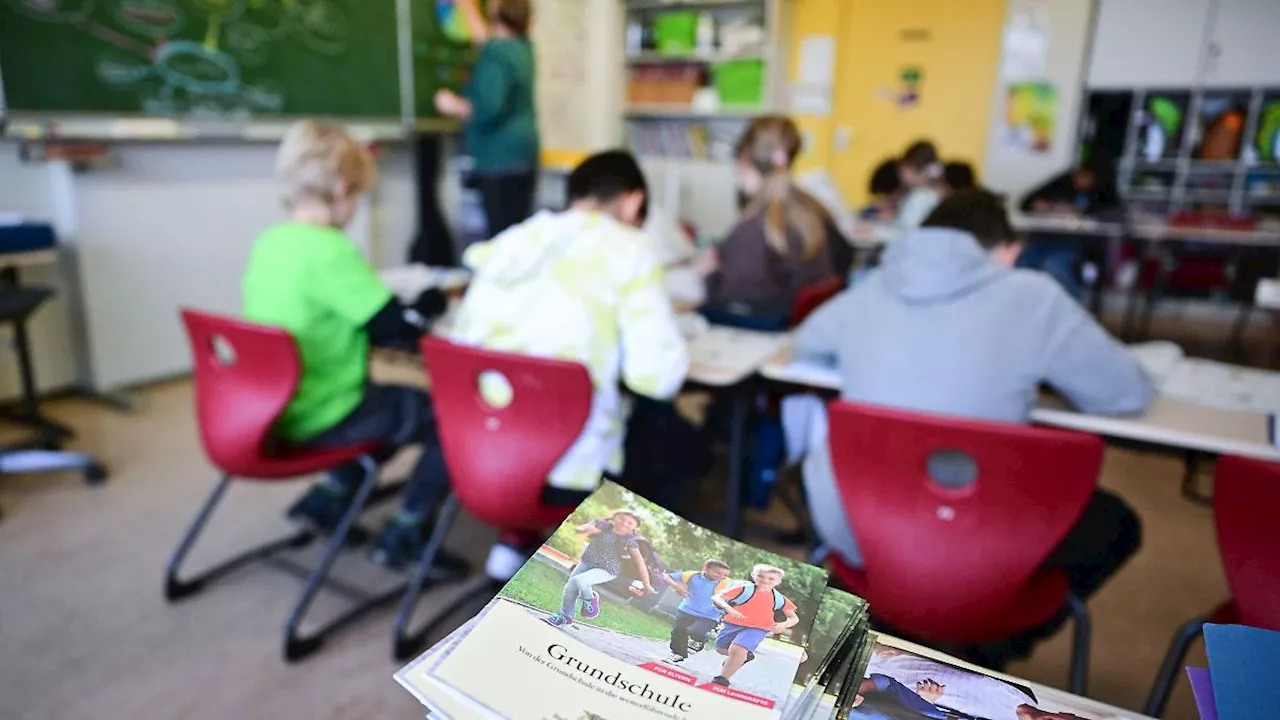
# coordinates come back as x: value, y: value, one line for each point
x: 1107, y: 534
x: 664, y: 455
x: 688, y: 627
x: 507, y: 198
x: 394, y: 416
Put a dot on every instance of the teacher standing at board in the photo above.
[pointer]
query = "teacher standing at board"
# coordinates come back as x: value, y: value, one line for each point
x: 501, y: 120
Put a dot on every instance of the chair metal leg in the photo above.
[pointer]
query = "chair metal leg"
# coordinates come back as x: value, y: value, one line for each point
x: 737, y: 462
x: 1236, y: 340
x: 1082, y: 631
x: 405, y: 643
x: 297, y: 646
x: 176, y: 588
x: 1170, y: 667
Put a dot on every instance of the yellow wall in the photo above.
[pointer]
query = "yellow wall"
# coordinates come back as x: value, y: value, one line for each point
x: 814, y: 17
x: 956, y: 46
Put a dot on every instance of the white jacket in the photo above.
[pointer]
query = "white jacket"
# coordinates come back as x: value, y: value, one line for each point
x: 579, y: 286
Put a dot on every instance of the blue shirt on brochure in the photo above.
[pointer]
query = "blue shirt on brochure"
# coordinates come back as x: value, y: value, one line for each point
x: 701, y: 589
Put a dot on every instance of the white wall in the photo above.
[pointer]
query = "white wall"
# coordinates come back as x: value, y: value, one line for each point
x: 172, y: 225
x: 36, y: 192
x: 1014, y: 171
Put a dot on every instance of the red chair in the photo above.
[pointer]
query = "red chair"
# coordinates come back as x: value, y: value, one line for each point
x: 498, y: 458
x: 959, y: 564
x: 809, y: 298
x: 1245, y: 496
x: 245, y: 376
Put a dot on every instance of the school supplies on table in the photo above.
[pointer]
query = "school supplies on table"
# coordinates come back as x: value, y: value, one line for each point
x: 718, y: 627
x: 628, y: 611
x: 1202, y: 689
x: 1242, y: 666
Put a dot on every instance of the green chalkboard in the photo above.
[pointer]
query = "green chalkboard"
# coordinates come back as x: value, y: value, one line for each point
x: 442, y: 52
x: 201, y: 58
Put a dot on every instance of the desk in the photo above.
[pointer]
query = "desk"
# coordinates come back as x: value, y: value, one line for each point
x: 1168, y: 424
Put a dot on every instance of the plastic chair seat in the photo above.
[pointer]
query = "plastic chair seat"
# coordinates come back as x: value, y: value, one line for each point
x: 291, y: 462
x: 1042, y: 598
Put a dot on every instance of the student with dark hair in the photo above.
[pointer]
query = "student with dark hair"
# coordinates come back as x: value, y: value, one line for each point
x: 885, y: 189
x: 583, y: 285
x: 946, y: 325
x: 501, y: 119
x: 959, y: 175
x: 921, y: 172
x: 1088, y: 190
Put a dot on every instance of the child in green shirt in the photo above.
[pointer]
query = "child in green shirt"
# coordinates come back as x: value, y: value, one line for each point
x: 306, y: 276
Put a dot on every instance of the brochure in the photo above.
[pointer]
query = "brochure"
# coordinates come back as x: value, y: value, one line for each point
x: 629, y: 611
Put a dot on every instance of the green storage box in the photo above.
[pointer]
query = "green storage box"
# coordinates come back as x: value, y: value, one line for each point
x: 676, y: 32
x: 739, y: 82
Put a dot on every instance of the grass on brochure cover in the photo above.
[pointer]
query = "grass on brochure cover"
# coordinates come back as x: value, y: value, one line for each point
x: 541, y: 585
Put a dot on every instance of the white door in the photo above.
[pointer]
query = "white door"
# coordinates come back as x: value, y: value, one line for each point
x: 1245, y: 50
x: 1149, y: 43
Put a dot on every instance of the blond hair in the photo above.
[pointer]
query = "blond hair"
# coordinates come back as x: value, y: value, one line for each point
x: 763, y: 568
x: 770, y: 145
x: 318, y: 161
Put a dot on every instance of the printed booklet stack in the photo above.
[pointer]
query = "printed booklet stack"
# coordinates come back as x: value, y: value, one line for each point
x: 631, y: 612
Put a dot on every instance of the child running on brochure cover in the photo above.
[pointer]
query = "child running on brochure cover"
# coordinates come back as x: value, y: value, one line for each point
x: 749, y: 618
x: 611, y: 539
x: 697, y: 614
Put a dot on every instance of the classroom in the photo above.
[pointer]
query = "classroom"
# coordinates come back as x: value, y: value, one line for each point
x: 974, y: 305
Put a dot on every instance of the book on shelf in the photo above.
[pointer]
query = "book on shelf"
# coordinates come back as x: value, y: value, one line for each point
x: 631, y: 612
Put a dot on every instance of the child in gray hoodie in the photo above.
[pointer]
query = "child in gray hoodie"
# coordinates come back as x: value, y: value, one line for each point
x: 946, y: 325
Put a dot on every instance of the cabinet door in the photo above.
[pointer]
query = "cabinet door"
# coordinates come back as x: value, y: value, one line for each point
x: 1148, y: 43
x: 1245, y: 50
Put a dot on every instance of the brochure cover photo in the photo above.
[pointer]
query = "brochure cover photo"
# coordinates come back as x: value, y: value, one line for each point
x: 904, y: 683
x: 631, y: 611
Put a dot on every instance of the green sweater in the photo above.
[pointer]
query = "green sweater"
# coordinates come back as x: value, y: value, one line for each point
x: 502, y: 134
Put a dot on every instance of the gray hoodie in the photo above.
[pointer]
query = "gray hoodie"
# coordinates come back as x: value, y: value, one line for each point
x: 942, y: 327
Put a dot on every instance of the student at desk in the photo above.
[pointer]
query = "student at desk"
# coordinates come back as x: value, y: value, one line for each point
x: 785, y: 240
x: 1087, y: 190
x: 584, y: 285
x: 307, y: 277
x: 946, y: 325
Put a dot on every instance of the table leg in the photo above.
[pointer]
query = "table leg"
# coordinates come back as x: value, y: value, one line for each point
x: 1190, y: 475
x: 737, y: 461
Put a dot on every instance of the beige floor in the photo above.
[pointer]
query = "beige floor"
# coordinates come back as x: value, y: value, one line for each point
x: 84, y: 631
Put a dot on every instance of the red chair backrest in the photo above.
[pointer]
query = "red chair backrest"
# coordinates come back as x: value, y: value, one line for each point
x: 937, y: 558
x: 245, y: 376
x: 810, y: 297
x: 1246, y: 494
x: 499, y: 458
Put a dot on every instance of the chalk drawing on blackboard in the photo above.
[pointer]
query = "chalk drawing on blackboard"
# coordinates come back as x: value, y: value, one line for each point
x: 203, y: 77
x: 54, y: 10
x: 153, y: 18
x: 452, y: 24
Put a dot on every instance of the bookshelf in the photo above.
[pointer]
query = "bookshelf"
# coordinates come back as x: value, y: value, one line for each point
x: 691, y: 92
x: 1190, y: 148
x: 705, y: 65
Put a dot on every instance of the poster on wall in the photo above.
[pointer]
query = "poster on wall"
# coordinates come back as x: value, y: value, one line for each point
x: 1031, y: 116
x: 1026, y: 41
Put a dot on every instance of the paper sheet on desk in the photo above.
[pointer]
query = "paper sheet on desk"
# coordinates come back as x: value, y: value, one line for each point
x: 410, y: 281
x: 1205, y: 382
x: 732, y: 349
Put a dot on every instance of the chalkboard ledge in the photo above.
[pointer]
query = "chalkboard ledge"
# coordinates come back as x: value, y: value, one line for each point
x: 22, y: 126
